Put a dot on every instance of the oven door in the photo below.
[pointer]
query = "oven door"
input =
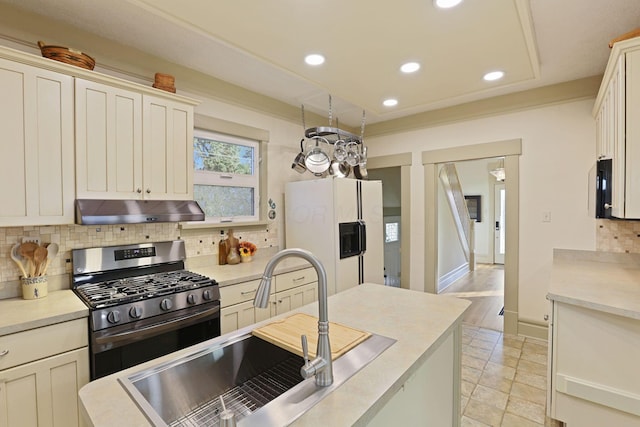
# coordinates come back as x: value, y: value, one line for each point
x: 121, y: 347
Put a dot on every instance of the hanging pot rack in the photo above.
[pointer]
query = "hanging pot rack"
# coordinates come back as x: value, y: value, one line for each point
x: 348, y: 156
x: 333, y: 134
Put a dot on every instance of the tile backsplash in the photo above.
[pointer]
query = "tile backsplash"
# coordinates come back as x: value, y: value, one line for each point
x: 617, y: 236
x: 198, y: 242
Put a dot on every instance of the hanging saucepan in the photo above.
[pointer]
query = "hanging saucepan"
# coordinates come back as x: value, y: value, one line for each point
x: 340, y: 149
x: 339, y: 169
x: 317, y: 160
x: 353, y: 156
x: 360, y: 170
x: 298, y: 162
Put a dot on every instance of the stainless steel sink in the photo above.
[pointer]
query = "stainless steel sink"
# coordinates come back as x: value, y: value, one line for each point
x: 259, y: 381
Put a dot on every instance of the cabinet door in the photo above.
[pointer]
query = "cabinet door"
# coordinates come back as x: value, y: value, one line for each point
x: 108, y: 142
x: 430, y: 397
x: 296, y: 297
x: 619, y: 146
x: 632, y: 134
x: 36, y: 153
x: 599, y: 135
x: 167, y: 149
x: 240, y: 315
x: 44, y: 393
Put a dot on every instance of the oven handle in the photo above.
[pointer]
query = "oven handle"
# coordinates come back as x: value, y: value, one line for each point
x: 149, y: 331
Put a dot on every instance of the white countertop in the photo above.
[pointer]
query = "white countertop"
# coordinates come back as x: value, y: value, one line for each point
x: 227, y: 275
x: 20, y: 314
x: 418, y: 321
x: 603, y: 281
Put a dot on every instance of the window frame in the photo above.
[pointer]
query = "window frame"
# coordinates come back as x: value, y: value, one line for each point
x: 220, y: 126
x: 224, y: 179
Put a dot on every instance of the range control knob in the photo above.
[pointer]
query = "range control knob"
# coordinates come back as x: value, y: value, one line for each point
x: 191, y: 299
x: 166, y: 304
x: 206, y: 295
x: 113, y: 317
x: 135, y: 312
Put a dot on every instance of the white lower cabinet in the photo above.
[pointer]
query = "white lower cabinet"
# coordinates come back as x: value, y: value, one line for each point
x: 237, y: 310
x: 240, y: 315
x: 431, y: 396
x: 41, y: 372
x: 594, y: 378
x: 288, y: 292
x: 44, y: 393
x: 294, y: 298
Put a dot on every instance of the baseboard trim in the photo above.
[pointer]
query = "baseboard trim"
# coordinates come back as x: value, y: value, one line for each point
x: 533, y: 330
x: 446, y: 280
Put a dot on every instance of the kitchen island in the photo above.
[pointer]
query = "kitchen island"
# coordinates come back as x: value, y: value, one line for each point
x: 423, y: 363
x: 594, y: 337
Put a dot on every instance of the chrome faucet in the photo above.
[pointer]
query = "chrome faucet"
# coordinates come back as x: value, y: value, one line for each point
x: 321, y: 366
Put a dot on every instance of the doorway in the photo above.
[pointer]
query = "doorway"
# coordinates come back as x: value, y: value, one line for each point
x: 392, y: 214
x: 395, y: 173
x: 511, y: 151
x: 499, y: 207
x: 482, y: 282
x: 392, y: 251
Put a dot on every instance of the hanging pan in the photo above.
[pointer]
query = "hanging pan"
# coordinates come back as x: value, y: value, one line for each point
x: 317, y: 160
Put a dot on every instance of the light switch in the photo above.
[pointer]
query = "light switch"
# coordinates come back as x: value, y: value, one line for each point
x: 546, y: 216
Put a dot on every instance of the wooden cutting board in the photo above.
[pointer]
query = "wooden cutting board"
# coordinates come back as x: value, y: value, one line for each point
x: 286, y: 333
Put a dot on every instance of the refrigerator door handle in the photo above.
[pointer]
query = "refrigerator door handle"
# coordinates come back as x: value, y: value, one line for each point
x: 362, y: 235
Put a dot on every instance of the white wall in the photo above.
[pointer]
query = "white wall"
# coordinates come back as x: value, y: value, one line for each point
x: 558, y: 149
x: 390, y: 178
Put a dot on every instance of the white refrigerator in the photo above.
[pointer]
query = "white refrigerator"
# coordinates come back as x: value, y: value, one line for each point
x: 340, y: 221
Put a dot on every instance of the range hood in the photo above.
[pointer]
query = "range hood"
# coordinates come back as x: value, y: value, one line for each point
x: 99, y: 212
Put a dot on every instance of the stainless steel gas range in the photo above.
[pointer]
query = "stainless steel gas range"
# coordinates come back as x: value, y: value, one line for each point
x: 143, y: 303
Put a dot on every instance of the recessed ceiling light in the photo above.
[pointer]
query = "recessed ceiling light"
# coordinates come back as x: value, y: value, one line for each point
x: 445, y: 4
x: 390, y: 102
x: 494, y: 75
x: 410, y: 67
x: 314, y: 59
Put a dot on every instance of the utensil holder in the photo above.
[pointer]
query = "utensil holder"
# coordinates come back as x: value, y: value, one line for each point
x: 34, y: 287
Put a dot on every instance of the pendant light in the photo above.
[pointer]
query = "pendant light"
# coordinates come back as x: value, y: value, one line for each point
x: 498, y: 172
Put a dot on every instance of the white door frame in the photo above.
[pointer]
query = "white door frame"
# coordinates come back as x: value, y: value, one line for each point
x: 511, y: 151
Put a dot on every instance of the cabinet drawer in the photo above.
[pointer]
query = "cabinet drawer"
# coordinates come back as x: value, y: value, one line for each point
x: 234, y: 294
x: 39, y: 343
x: 295, y: 278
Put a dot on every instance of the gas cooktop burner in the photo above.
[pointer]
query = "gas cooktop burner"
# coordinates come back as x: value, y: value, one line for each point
x: 121, y: 291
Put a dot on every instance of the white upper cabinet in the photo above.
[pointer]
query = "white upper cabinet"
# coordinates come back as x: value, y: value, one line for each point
x: 167, y: 149
x: 36, y: 152
x: 108, y: 142
x: 131, y: 145
x: 617, y: 110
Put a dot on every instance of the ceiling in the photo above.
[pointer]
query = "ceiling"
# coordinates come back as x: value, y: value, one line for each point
x: 260, y: 45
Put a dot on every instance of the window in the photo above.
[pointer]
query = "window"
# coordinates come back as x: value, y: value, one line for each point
x: 226, y: 176
x: 391, y: 232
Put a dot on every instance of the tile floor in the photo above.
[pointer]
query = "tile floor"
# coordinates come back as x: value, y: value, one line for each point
x: 504, y: 379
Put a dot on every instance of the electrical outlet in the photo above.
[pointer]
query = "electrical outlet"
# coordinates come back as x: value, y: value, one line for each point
x: 546, y: 216
x: 35, y: 240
